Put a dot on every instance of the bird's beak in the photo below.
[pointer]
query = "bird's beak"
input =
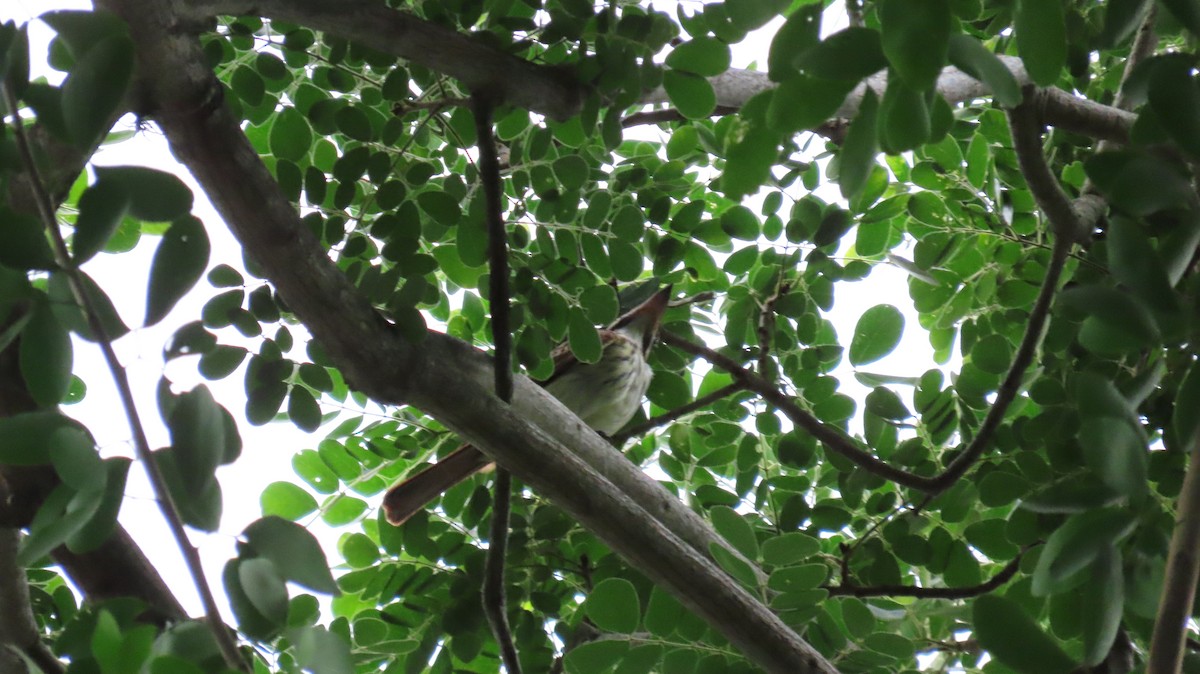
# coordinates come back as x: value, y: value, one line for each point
x: 643, y: 320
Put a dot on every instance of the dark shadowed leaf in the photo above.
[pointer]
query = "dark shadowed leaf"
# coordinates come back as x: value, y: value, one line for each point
x: 691, y: 94
x: 294, y: 550
x: 1008, y: 633
x: 101, y: 208
x: 915, y: 36
x: 94, y: 89
x: 178, y: 263
x: 156, y: 196
x: 46, y: 356
x: 705, y: 56
x: 1041, y: 31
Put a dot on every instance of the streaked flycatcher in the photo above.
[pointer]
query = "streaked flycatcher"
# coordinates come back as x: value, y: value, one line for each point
x: 605, y: 395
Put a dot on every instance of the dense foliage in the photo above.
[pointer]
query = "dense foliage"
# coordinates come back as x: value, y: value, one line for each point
x: 1015, y: 514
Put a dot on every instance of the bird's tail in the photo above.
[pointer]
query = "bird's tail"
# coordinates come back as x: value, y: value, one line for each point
x: 407, y: 498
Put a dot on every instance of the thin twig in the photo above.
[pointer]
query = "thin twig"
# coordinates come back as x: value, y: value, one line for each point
x: 495, y: 602
x: 1143, y: 48
x: 766, y: 327
x: 832, y: 437
x: 985, y: 587
x: 683, y: 410
x: 229, y: 650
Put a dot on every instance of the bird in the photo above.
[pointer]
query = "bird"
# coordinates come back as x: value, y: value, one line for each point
x: 604, y: 395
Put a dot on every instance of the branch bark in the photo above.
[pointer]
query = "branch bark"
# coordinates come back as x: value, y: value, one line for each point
x: 551, y: 91
x: 1180, y: 580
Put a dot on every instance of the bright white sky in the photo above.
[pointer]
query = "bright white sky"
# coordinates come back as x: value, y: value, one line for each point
x: 269, y: 449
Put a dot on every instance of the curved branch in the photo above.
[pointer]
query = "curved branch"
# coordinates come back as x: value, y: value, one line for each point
x: 18, y: 627
x: 993, y: 583
x: 832, y: 437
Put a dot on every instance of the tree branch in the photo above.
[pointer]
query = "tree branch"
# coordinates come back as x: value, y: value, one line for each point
x: 681, y: 411
x: 536, y: 437
x: 832, y: 438
x: 1180, y: 579
x: 554, y: 92
x: 993, y: 583
x: 18, y: 627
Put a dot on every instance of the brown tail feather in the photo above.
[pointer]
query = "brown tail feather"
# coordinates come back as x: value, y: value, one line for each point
x: 406, y: 499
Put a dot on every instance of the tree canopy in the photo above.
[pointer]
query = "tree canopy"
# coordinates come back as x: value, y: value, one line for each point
x: 431, y: 195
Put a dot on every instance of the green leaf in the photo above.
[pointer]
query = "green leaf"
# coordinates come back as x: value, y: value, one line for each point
x: 969, y: 55
x: 442, y: 206
x: 740, y: 222
x: 600, y: 304
x: 801, y: 32
x: 155, y: 196
x: 354, y: 123
x: 857, y: 158
x: 290, y: 137
x: 23, y: 242
x: 303, y: 409
x: 1041, y: 31
x: 178, y: 263
x: 1070, y: 495
x: 104, y: 521
x: 905, y: 118
x: 250, y: 621
x: 1138, y: 182
x: 295, y: 552
x: 71, y: 315
x: 748, y: 162
x: 1074, y: 545
x: 1121, y: 18
x: 197, y: 496
x: 877, y: 332
x: 595, y: 657
x: 885, y: 404
x: 27, y: 436
x: 95, y: 88
x: 73, y: 454
x: 789, y: 548
x: 1013, y: 638
x: 1116, y: 321
x: 101, y: 209
x: 613, y: 606
x: 850, y: 54
x: 197, y: 433
x: 287, y: 500
x: 734, y: 529
x: 81, y: 30
x: 63, y: 513
x: 46, y: 356
x: 321, y: 651
x: 691, y: 94
x: 264, y: 588
x: 1103, y: 602
x: 803, y: 102
x: 915, y: 38
x: 583, y: 337
x: 1116, y: 452
x: 1186, y: 12
x: 704, y: 56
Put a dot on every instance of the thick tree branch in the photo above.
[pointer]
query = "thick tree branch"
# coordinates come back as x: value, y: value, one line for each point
x: 536, y: 438
x: 551, y: 91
